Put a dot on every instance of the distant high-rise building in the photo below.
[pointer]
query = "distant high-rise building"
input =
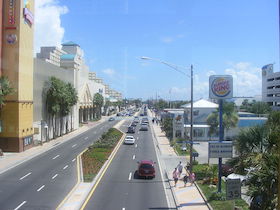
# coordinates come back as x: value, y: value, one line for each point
x: 271, y: 86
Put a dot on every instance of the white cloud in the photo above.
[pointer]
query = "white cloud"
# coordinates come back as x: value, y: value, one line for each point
x: 246, y: 80
x: 48, y: 29
x: 167, y: 39
x: 109, y: 72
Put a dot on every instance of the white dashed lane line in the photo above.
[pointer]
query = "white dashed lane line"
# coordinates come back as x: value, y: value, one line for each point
x: 65, y: 167
x: 40, y: 188
x: 56, y: 157
x: 26, y: 175
x: 73, y: 159
x: 137, y: 137
x: 54, y: 176
x: 133, y: 157
x: 129, y: 176
x: 74, y: 145
x: 20, y: 205
x: 135, y: 145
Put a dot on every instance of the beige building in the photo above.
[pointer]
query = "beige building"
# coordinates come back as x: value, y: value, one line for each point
x: 17, y: 64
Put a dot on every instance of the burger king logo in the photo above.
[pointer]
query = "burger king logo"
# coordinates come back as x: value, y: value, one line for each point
x: 221, y: 87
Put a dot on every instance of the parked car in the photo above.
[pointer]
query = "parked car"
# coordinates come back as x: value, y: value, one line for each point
x: 243, y: 178
x: 129, y: 140
x: 146, y: 169
x: 131, y: 129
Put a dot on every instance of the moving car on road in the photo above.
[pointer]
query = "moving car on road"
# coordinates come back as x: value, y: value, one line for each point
x: 143, y: 128
x: 129, y: 140
x: 146, y: 169
x: 131, y: 129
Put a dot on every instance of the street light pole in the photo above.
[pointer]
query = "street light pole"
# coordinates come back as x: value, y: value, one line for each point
x: 175, y: 67
x: 191, y: 131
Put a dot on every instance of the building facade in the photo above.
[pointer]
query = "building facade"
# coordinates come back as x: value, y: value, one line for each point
x: 17, y: 64
x: 271, y: 87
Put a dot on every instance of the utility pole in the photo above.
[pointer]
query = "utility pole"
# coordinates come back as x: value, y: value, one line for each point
x: 191, y: 131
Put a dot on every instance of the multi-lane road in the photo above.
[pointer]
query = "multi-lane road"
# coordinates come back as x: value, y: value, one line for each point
x: 120, y: 189
x: 45, y: 180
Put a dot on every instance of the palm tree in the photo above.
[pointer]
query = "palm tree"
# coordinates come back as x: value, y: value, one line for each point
x: 5, y: 90
x: 98, y: 101
x: 230, y: 118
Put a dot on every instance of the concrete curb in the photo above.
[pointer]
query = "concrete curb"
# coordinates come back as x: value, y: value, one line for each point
x: 99, y: 175
x: 203, y: 196
x: 172, y: 190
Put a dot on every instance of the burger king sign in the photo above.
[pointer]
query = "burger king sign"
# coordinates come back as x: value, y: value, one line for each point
x: 220, y: 86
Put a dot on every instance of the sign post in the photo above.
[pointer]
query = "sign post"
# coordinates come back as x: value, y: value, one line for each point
x: 233, y: 189
x: 220, y: 88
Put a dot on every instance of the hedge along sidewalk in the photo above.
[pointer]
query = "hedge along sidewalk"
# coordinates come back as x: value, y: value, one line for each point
x: 83, y: 191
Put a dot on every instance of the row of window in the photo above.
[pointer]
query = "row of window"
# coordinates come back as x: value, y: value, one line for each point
x: 272, y: 79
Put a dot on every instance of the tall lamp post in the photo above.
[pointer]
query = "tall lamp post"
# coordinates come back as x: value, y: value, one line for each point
x: 177, y: 68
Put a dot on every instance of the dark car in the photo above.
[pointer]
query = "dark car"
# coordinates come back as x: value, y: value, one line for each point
x: 146, y: 169
x: 134, y: 124
x: 131, y: 129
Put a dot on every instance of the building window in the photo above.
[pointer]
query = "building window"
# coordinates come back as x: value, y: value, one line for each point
x: 269, y: 95
x: 196, y: 113
x: 198, y: 132
x: 270, y: 87
x: 277, y: 78
x: 269, y: 80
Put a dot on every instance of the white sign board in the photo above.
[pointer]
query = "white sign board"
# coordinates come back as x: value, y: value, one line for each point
x: 233, y: 189
x: 219, y: 149
x: 220, y: 86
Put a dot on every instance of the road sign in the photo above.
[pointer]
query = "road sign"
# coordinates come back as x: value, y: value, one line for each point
x: 195, y: 154
x: 220, y: 86
x: 233, y: 189
x: 220, y: 149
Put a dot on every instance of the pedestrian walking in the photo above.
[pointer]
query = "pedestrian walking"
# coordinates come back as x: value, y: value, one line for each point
x: 175, y: 176
x: 192, y: 178
x: 185, y: 179
x: 180, y: 168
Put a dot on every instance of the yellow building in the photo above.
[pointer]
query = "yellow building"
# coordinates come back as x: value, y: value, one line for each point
x: 16, y: 132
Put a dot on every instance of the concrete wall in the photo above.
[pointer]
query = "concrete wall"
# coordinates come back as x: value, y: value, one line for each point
x: 42, y: 72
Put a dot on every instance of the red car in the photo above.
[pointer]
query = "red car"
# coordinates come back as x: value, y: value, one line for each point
x: 146, y: 169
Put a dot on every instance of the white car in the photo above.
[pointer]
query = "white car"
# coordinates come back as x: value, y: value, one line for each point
x: 129, y: 140
x: 243, y: 178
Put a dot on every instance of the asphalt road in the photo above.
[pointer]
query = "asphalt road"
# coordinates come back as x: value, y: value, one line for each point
x: 120, y: 189
x: 45, y: 180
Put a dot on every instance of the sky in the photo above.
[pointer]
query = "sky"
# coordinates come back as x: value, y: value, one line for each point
x: 216, y: 37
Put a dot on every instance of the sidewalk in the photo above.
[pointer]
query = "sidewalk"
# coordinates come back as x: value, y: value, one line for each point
x: 10, y: 160
x: 189, y: 197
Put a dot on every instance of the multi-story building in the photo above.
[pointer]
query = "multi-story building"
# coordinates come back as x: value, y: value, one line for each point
x: 271, y: 86
x: 16, y: 133
x: 51, y: 55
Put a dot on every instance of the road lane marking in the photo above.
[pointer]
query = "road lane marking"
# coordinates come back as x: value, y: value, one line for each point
x: 40, y: 188
x: 73, y: 159
x: 123, y: 208
x: 86, y: 138
x: 74, y: 145
x: 137, y: 137
x: 54, y: 176
x: 129, y: 177
x: 26, y: 175
x: 65, y: 167
x: 20, y: 205
x: 133, y: 157
x: 135, y: 145
x: 56, y: 157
